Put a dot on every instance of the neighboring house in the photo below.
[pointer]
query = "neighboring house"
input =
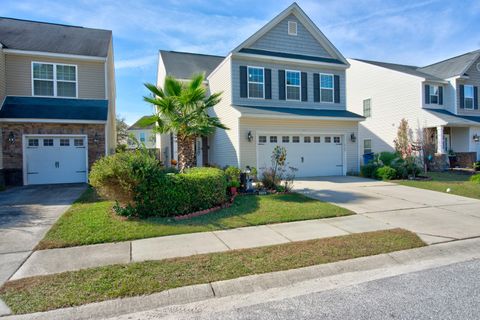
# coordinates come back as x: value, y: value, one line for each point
x: 442, y: 98
x: 284, y: 85
x: 57, y: 101
x: 144, y: 135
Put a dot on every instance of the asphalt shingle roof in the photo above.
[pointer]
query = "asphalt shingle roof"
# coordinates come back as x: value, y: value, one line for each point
x: 53, y: 108
x: 182, y: 65
x: 413, y: 70
x: 284, y: 111
x: 451, y: 118
x: 137, y: 126
x: 54, y: 38
x: 451, y: 67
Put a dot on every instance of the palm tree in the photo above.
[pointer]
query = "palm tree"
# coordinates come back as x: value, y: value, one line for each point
x: 181, y: 109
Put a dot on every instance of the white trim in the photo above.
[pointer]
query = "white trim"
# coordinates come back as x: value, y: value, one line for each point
x: 291, y: 60
x: 54, y: 55
x: 24, y: 145
x: 254, y: 82
x: 106, y: 80
x: 333, y: 87
x: 54, y: 80
x: 291, y: 85
x: 251, y: 115
x: 52, y: 120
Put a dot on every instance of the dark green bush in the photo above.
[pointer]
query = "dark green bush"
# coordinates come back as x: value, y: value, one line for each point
x: 369, y: 170
x: 475, y: 178
x: 386, y: 173
x: 142, y: 188
x: 388, y: 157
x: 476, y: 166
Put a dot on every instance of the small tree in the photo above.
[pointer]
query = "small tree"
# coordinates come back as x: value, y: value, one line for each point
x: 404, y: 146
x: 122, y: 127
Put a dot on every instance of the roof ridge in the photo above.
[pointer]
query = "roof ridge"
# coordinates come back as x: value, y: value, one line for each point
x: 396, y: 64
x: 53, y: 24
x: 194, y: 53
x: 451, y: 58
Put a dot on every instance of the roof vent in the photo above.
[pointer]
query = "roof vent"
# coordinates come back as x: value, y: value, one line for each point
x: 292, y: 28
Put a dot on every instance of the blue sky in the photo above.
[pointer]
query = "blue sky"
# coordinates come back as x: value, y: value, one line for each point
x: 411, y: 32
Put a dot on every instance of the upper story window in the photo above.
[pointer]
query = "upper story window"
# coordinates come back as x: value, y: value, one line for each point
x: 292, y: 28
x: 326, y: 87
x: 256, y: 82
x: 54, y: 80
x: 292, y: 81
x: 434, y: 94
x: 367, y: 108
x: 468, y: 96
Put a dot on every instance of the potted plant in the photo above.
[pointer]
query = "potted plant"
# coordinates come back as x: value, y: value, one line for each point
x: 233, y: 186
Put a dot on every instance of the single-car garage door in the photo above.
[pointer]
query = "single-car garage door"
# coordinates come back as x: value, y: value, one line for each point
x: 55, y: 159
x: 313, y: 155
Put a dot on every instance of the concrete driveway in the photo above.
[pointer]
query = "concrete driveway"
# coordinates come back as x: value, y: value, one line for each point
x: 26, y: 214
x: 434, y: 216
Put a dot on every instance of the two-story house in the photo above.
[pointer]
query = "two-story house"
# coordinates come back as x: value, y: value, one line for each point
x: 440, y: 102
x: 57, y: 101
x: 141, y: 134
x: 285, y: 85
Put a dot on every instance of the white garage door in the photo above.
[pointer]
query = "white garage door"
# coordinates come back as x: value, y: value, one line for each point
x: 55, y: 159
x: 312, y: 155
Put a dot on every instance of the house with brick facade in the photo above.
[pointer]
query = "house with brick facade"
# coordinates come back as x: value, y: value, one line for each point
x: 57, y: 101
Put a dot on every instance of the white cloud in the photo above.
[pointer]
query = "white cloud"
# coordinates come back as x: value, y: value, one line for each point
x: 141, y: 62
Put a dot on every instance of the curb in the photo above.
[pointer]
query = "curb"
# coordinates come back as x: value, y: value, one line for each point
x: 430, y: 256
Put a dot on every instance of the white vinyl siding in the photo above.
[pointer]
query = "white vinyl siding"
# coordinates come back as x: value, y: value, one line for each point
x: 54, y: 80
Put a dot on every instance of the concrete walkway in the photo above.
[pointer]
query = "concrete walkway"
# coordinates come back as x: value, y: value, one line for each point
x: 435, y: 217
x: 26, y: 214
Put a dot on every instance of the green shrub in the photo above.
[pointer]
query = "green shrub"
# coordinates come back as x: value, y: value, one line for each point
x: 388, y: 157
x: 476, y: 166
x: 142, y: 188
x: 369, y: 170
x: 233, y: 173
x: 386, y: 173
x: 475, y: 178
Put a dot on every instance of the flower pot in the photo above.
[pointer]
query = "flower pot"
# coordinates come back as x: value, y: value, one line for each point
x: 233, y: 191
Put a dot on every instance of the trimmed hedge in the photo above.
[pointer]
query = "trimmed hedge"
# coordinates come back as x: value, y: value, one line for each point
x: 386, y: 173
x: 142, y: 188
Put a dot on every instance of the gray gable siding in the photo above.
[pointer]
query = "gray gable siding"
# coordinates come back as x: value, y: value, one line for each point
x: 275, y: 102
x: 474, y: 79
x: 278, y: 40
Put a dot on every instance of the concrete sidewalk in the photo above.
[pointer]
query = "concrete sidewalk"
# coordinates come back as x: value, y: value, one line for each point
x: 51, y: 261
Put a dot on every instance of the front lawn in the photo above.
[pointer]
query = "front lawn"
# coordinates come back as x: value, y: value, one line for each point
x: 458, y: 183
x: 68, y: 289
x: 91, y: 220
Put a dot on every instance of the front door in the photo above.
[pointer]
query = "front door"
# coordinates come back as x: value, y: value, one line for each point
x: 446, y: 143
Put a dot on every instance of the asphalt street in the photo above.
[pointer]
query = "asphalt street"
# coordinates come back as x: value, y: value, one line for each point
x: 449, y: 292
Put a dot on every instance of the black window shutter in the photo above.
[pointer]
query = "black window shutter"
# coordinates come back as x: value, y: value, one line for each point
x: 304, y: 87
x: 475, y: 98
x: 281, y: 84
x: 268, y: 83
x: 336, y: 86
x: 462, y: 96
x: 316, y: 87
x: 427, y: 94
x: 243, y: 82
x: 440, y: 95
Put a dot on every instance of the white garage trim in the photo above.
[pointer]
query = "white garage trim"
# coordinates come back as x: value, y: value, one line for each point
x: 24, y: 147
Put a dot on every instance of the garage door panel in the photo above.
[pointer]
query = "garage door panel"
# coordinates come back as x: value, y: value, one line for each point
x: 63, y: 161
x: 312, y: 155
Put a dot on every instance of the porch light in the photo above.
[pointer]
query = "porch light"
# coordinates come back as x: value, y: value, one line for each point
x: 11, y: 137
x: 249, y: 136
x: 476, y: 137
x: 96, y: 138
x: 352, y: 137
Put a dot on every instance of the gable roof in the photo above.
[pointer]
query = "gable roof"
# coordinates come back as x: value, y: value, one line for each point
x: 295, y: 9
x: 53, y: 38
x: 182, y: 65
x: 452, y: 67
x: 137, y: 126
x: 412, y: 70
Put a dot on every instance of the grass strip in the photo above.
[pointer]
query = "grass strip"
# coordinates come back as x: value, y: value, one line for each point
x: 103, y: 283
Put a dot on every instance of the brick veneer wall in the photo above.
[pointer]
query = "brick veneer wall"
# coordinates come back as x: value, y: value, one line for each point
x: 13, y: 153
x: 466, y: 159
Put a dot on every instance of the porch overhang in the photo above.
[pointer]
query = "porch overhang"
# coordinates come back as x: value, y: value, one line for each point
x: 297, y: 113
x: 446, y: 118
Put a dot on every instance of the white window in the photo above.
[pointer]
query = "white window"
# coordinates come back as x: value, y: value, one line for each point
x: 468, y: 96
x: 48, y: 142
x: 262, y: 139
x: 367, y: 108
x: 64, y: 142
x: 292, y: 83
x: 142, y: 136
x: 273, y: 139
x: 326, y: 87
x: 316, y: 139
x: 307, y: 139
x: 256, y: 82
x: 328, y: 139
x: 33, y: 142
x: 336, y: 139
x: 434, y: 94
x: 54, y: 80
x: 292, y: 28
x: 285, y: 139
x: 295, y: 139
x: 367, y: 146
x: 78, y: 142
